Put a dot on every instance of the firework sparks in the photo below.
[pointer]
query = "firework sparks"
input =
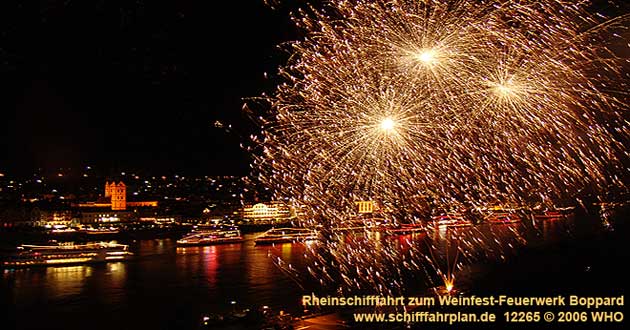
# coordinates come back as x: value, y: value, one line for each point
x: 467, y: 102
x: 435, y: 104
x: 387, y: 124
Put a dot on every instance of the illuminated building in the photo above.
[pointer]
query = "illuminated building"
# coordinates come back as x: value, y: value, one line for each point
x: 273, y: 212
x: 113, y: 206
x: 365, y: 206
x: 118, y: 194
x: 52, y: 219
x: 116, y: 199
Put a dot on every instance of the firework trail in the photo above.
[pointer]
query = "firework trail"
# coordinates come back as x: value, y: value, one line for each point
x: 442, y: 104
x: 473, y: 102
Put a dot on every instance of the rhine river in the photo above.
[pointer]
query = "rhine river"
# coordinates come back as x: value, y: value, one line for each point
x: 169, y: 287
x: 162, y: 287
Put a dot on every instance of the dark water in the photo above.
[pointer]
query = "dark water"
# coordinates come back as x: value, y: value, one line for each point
x: 166, y: 287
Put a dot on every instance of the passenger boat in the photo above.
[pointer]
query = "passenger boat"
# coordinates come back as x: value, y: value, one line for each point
x: 553, y: 213
x: 67, y: 254
x: 211, y: 235
x: 99, y: 231
x: 286, y: 235
x: 403, y: 229
x: 502, y: 218
x: 549, y: 215
x: 60, y: 229
x: 451, y: 220
x: 63, y: 231
x: 351, y: 226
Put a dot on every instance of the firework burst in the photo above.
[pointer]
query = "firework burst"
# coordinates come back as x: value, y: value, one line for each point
x: 440, y: 105
x: 468, y: 102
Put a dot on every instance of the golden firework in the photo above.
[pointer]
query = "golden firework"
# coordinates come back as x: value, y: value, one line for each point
x: 469, y: 102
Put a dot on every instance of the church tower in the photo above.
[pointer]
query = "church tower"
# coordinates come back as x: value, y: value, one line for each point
x: 119, y: 195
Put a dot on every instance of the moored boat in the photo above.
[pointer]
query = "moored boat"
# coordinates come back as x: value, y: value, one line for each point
x: 99, y: 231
x: 286, y: 235
x: 451, y: 220
x: 404, y: 228
x: 549, y: 215
x: 211, y: 235
x: 60, y: 229
x: 351, y: 226
x: 502, y: 218
x: 541, y: 213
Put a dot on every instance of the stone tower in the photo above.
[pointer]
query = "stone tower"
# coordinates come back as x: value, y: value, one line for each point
x: 118, y: 193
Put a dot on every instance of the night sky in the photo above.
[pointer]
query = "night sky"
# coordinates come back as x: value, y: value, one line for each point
x: 136, y: 84
x: 133, y: 84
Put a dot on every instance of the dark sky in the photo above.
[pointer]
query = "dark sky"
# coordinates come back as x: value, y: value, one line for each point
x: 133, y: 84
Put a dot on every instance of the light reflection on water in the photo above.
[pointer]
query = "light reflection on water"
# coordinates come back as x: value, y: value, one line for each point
x: 67, y: 281
x: 169, y: 287
x: 162, y: 286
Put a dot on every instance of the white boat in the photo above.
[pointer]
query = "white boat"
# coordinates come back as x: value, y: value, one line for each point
x: 502, y: 218
x: 351, y: 226
x: 451, y: 220
x: 211, y: 235
x: 286, y: 235
x: 550, y: 215
x: 67, y: 254
x: 99, y: 231
x: 403, y: 229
